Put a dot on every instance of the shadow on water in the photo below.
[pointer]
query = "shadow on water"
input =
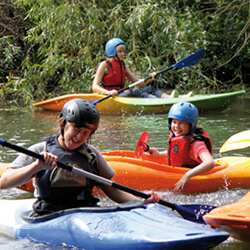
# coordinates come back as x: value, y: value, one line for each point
x: 25, y: 127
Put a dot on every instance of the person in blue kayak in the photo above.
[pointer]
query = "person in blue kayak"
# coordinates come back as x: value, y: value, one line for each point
x: 56, y: 188
x: 188, y: 144
x: 111, y: 75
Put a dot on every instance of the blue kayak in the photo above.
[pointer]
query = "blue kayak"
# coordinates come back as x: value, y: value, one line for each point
x: 125, y: 226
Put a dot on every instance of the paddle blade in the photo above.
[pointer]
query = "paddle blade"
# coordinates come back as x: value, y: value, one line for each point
x: 2, y: 142
x: 237, y: 141
x: 191, y: 59
x: 94, y: 102
x: 194, y: 212
x: 142, y: 144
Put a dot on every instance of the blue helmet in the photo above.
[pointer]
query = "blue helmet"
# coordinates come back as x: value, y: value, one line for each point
x: 110, y: 46
x: 184, y: 111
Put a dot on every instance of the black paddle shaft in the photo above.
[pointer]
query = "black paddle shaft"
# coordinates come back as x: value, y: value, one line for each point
x: 33, y: 154
x: 185, y: 62
x: 141, y: 194
x: 132, y: 85
x: 79, y: 171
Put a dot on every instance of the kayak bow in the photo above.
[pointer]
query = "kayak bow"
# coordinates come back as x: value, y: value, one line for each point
x: 233, y: 218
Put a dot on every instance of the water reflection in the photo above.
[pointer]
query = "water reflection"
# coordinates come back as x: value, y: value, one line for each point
x: 26, y: 126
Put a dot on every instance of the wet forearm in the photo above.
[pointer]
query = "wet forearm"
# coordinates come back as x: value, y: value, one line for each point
x: 118, y: 195
x: 204, y: 167
x: 100, y: 90
x: 14, y: 177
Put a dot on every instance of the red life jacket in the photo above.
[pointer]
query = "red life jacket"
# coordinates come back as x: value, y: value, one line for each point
x: 178, y: 148
x: 116, y: 77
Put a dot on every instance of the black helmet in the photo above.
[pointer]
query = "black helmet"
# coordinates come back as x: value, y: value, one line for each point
x: 82, y: 113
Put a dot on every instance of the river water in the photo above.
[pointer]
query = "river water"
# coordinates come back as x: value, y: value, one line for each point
x: 27, y: 126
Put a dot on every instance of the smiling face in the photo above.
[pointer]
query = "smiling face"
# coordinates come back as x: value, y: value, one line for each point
x: 74, y: 136
x: 120, y: 51
x: 179, y: 127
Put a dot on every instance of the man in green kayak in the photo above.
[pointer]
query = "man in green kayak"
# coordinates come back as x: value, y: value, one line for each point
x: 56, y: 188
x: 111, y: 75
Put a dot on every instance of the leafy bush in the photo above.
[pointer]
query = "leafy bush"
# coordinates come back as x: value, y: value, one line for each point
x: 60, y: 42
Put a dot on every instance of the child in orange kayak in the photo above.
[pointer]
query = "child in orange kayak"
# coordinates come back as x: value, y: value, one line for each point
x: 111, y: 75
x: 56, y: 188
x: 188, y: 145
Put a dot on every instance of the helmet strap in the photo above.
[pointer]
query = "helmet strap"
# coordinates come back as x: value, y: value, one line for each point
x: 62, y: 133
x: 62, y: 130
x: 120, y: 65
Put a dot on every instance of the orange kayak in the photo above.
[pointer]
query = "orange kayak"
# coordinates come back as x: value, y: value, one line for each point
x: 233, y: 218
x: 147, y: 173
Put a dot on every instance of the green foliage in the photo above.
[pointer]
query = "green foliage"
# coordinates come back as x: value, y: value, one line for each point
x: 62, y: 41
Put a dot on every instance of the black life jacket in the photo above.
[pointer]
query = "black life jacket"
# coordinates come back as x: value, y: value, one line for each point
x: 63, y: 188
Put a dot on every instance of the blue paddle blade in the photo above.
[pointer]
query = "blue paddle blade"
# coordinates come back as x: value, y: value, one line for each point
x: 194, y: 212
x: 104, y: 98
x: 1, y: 141
x: 94, y: 102
x: 191, y: 59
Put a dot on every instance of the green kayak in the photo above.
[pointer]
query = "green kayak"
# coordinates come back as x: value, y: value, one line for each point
x: 128, y: 105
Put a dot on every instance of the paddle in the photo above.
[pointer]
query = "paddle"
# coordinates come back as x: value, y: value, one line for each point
x: 185, y: 62
x: 237, y: 141
x: 142, y: 145
x: 192, y: 212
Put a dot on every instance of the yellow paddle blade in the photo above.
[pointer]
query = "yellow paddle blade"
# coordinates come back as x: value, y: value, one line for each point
x: 237, y: 141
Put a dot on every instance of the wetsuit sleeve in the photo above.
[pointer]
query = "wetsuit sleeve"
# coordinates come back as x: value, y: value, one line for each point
x: 103, y: 168
x: 23, y: 160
